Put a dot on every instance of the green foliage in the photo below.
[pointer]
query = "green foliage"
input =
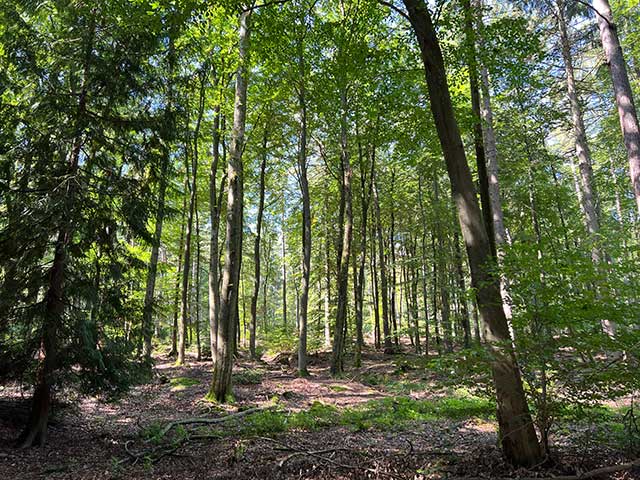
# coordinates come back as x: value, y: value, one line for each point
x: 182, y: 383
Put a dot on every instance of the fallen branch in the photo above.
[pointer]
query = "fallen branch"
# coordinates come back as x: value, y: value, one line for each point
x: 601, y: 471
x: 319, y: 455
x: 583, y: 476
x: 210, y: 421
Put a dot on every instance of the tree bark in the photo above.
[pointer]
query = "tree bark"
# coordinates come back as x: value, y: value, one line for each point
x: 256, y: 249
x: 343, y: 261
x: 627, y: 112
x: 221, y: 385
x: 384, y: 290
x: 517, y: 434
x: 586, y: 191
x: 192, y: 203
x: 306, y: 218
x: 365, y: 196
x: 481, y: 163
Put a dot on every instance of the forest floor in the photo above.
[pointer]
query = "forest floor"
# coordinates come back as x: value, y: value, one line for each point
x: 391, y: 419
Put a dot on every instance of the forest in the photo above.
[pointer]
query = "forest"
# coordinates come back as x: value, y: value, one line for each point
x: 319, y: 239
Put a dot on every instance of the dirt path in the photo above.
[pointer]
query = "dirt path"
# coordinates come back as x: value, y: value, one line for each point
x: 90, y: 441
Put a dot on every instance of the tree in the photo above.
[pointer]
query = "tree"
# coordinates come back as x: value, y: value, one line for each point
x: 517, y: 434
x: 627, y: 113
x: 224, y: 348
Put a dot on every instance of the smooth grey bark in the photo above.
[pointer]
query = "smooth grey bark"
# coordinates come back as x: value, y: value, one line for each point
x: 284, y: 268
x: 365, y: 196
x: 627, y: 112
x: 327, y: 276
x: 386, y: 330
x: 347, y: 233
x: 256, y: 248
x: 189, y: 231
x: 586, y: 190
x: 517, y: 434
x: 464, y: 311
x: 221, y: 384
x: 306, y: 219
x: 478, y: 142
x: 214, y: 219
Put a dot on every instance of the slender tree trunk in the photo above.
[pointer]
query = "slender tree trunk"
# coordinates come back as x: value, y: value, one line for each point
x: 284, y: 268
x: 481, y: 163
x: 434, y: 293
x: 384, y: 290
x: 327, y: 274
x: 192, y: 203
x: 176, y: 297
x: 147, y: 311
x: 586, y: 192
x: 392, y: 255
x: 627, y: 112
x: 343, y: 263
x: 374, y: 292
x: 365, y: 195
x: 466, y: 324
x: 425, y: 298
x: 221, y: 385
x: 517, y: 434
x: 306, y: 219
x: 256, y: 249
x: 197, y: 282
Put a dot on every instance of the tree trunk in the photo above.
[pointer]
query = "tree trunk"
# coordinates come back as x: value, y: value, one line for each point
x: 586, y: 191
x: 478, y: 142
x: 384, y: 290
x: 197, y: 285
x: 147, y: 311
x: 215, y: 209
x: 221, y: 385
x: 365, y: 196
x: 343, y: 263
x: 327, y: 275
x: 256, y: 249
x: 192, y: 203
x: 374, y: 291
x: 627, y: 112
x: 518, y: 437
x: 306, y: 220
x: 466, y: 324
x: 284, y: 267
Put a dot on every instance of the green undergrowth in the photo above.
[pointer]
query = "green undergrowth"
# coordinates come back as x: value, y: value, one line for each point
x: 182, y: 383
x: 388, y: 414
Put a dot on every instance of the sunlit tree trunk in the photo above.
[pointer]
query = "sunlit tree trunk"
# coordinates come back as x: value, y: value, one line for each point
x: 627, y: 112
x: 306, y: 219
x: 221, y: 385
x: 347, y: 233
x: 256, y: 249
x: 192, y: 204
x: 586, y: 190
x: 517, y: 434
